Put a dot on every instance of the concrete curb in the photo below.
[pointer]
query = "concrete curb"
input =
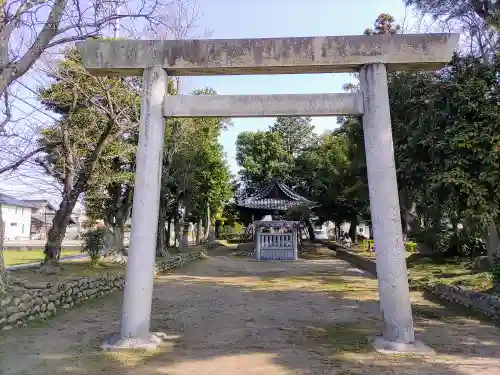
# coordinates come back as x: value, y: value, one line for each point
x: 361, y: 262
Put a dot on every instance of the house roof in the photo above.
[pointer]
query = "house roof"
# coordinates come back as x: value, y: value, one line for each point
x: 39, y: 203
x: 11, y: 201
x: 276, y: 196
x: 47, y: 218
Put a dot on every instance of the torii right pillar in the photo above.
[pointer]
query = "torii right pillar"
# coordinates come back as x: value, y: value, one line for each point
x: 398, y: 332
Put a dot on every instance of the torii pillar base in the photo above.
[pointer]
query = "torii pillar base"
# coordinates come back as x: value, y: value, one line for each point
x: 383, y: 346
x: 117, y: 343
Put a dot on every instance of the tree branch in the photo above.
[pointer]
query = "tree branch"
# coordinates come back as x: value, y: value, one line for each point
x: 89, y: 162
x: 20, y: 161
x: 48, y: 32
x: 50, y: 171
x: 8, y: 113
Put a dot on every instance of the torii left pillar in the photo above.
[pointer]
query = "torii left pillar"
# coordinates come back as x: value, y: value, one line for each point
x: 138, y: 295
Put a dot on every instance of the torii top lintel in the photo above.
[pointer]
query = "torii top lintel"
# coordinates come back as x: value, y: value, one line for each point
x: 326, y: 54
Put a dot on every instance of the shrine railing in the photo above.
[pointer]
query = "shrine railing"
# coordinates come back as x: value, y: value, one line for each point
x: 276, y: 246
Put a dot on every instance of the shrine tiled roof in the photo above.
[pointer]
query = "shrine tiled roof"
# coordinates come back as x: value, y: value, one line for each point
x: 286, y: 199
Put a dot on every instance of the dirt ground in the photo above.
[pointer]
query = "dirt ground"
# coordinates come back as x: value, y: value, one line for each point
x: 232, y: 316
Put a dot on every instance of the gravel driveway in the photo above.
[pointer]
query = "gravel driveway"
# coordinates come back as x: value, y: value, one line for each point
x: 231, y: 316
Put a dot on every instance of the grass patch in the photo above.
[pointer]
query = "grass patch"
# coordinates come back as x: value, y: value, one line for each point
x: 430, y: 310
x: 13, y: 257
x: 317, y: 253
x: 359, y: 288
x: 449, y: 272
x: 226, y: 243
x: 423, y: 270
x: 346, y: 337
x: 69, y: 271
x: 371, y: 254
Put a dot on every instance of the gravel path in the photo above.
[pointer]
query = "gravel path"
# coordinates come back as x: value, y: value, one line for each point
x: 230, y: 316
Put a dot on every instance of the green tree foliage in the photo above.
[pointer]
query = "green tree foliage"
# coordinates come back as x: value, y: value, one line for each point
x: 321, y: 169
x: 95, y: 112
x: 445, y: 130
x: 93, y: 244
x: 446, y: 133
x: 348, y: 199
x: 108, y: 195
x: 195, y: 173
x: 384, y: 24
x: 265, y: 156
x: 295, y: 133
x: 262, y: 157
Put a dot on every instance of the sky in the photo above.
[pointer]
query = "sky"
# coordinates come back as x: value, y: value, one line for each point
x: 228, y: 19
x: 284, y: 18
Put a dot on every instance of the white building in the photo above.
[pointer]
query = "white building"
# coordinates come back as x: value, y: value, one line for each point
x: 362, y: 229
x: 327, y: 230
x: 16, y: 217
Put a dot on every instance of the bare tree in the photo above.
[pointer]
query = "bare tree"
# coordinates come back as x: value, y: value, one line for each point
x: 33, y: 34
x: 477, y: 20
x: 34, y: 29
x: 28, y: 28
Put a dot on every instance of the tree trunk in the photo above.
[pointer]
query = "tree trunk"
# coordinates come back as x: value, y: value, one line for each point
x: 56, y: 233
x: 217, y: 229
x: 353, y: 230
x: 409, y: 220
x: 185, y: 235
x: 493, y: 243
x: 209, y: 224
x: 405, y: 223
x: 169, y: 231
x: 198, y: 231
x: 456, y: 238
x: 310, y: 230
x: 177, y: 231
x: 161, y: 243
x: 120, y: 235
x: 337, y: 231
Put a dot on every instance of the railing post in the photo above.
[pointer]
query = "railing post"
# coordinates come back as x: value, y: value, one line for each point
x: 294, y: 244
x: 257, y: 243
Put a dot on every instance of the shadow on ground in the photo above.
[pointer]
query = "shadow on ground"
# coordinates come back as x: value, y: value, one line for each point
x: 235, y: 316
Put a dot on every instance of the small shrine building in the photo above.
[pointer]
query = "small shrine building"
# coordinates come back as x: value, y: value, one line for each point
x: 275, y: 239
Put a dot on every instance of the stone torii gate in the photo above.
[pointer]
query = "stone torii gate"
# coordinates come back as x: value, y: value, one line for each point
x: 371, y: 56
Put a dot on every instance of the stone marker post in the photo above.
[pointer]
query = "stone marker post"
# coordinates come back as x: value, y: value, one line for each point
x: 138, y: 294
x: 398, y: 332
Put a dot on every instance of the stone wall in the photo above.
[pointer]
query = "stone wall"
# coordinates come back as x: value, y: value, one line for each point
x: 483, y: 303
x: 164, y: 265
x: 34, y: 301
